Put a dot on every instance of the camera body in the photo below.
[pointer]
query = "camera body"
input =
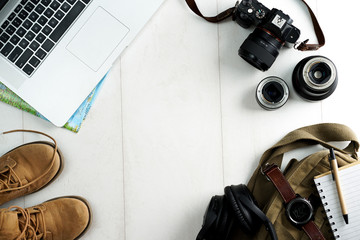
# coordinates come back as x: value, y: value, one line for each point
x: 274, y: 29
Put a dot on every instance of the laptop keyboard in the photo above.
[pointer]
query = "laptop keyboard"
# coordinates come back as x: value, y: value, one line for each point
x: 32, y: 30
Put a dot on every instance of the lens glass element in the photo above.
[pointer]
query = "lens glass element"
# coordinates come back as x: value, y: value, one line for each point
x: 272, y: 93
x: 320, y: 73
x: 260, y: 49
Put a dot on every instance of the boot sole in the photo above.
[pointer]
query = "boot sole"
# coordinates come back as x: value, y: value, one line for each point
x: 61, y: 159
x: 88, y: 207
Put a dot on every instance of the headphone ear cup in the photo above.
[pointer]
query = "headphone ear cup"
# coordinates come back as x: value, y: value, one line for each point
x: 217, y: 221
x: 224, y: 221
x: 235, y: 195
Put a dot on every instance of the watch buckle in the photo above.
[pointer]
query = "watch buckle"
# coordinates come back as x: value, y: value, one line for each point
x: 265, y: 168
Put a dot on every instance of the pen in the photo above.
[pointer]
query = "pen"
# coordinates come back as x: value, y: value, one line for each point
x: 335, y: 172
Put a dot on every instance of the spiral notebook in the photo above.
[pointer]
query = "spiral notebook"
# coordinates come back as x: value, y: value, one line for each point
x: 350, y: 185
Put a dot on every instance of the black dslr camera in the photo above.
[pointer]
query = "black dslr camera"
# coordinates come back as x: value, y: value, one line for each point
x: 273, y: 30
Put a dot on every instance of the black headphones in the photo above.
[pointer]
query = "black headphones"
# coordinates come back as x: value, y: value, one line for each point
x: 237, y: 207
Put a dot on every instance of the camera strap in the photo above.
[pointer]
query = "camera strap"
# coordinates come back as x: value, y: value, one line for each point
x: 303, y: 46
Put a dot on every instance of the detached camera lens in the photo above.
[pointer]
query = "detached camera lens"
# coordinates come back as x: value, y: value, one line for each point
x: 315, y: 78
x: 272, y: 93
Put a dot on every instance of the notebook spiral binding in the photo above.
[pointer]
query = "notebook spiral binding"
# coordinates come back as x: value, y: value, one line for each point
x: 327, y: 211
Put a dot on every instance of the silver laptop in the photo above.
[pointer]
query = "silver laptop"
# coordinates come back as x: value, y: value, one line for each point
x: 54, y: 52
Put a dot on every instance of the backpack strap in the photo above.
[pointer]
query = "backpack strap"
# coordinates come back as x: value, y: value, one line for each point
x: 307, y: 136
x: 311, y: 135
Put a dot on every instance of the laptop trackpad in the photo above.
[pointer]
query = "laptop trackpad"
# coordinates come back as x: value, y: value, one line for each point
x: 97, y: 39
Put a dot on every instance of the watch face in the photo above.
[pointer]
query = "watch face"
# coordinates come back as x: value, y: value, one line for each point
x: 299, y: 211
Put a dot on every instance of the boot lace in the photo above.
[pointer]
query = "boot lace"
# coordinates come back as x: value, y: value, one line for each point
x: 9, y: 179
x: 30, y: 221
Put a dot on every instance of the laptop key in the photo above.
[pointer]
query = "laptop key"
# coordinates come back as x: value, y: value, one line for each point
x: 65, y: 7
x: 10, y: 30
x: 59, y: 15
x: 17, y: 22
x: 67, y: 21
x: 40, y: 54
x: 36, y: 28
x: 28, y: 69
x: 29, y: 7
x: 48, y: 13
x: 7, y: 49
x: 24, y: 58
x: 34, y: 46
x: 33, y: 16
x: 15, y: 54
x: 4, y: 37
x: 24, y: 43
x: 27, y: 24
x: 5, y: 24
x: 40, y: 38
x: 71, y: 1
x: 46, y: 2
x: 39, y: 9
x: 86, y: 1
x: 30, y: 36
x: 42, y: 20
x: 53, y: 22
x: 55, y: 5
x: 34, y: 61
x: 46, y: 30
x: 47, y: 45
x: 21, y: 32
x: 18, y: 8
x: 1, y: 45
x: 11, y: 16
x: 35, y: 1
x: 14, y: 39
x: 23, y: 14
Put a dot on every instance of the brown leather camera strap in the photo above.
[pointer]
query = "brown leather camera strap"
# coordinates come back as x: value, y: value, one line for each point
x: 218, y: 18
x: 303, y: 46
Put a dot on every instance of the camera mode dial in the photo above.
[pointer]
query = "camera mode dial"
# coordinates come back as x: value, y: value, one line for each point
x: 260, y: 13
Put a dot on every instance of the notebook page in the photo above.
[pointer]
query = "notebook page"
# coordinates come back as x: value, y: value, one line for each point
x: 350, y: 184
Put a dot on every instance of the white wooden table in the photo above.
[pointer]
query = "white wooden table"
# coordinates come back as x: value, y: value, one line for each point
x: 176, y: 120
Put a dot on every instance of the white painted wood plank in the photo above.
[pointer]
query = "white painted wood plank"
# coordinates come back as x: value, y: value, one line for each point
x: 172, y: 127
x: 342, y: 48
x: 93, y: 165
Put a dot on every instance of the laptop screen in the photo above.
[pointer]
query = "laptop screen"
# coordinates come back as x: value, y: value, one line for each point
x: 2, y: 3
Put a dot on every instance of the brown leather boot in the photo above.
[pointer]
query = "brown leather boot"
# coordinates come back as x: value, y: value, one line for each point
x: 28, y: 168
x: 64, y: 218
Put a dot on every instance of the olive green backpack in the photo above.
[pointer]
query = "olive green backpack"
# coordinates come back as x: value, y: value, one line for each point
x: 300, y: 175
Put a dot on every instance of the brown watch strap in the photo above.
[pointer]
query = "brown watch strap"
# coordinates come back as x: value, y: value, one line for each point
x: 303, y: 46
x: 313, y: 231
x: 273, y: 173
x: 282, y: 185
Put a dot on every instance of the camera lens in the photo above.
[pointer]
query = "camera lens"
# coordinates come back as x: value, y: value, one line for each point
x: 315, y: 78
x: 272, y: 93
x: 260, y: 49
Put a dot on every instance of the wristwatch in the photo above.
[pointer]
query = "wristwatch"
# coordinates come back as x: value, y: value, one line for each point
x: 298, y: 209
